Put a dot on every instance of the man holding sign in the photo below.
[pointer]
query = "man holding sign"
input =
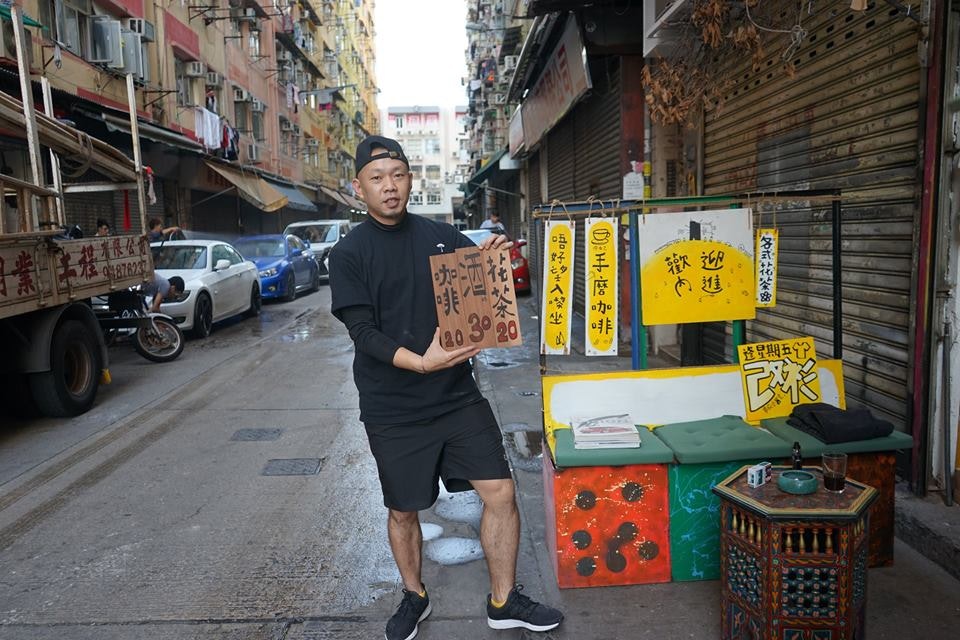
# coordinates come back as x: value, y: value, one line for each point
x: 424, y: 415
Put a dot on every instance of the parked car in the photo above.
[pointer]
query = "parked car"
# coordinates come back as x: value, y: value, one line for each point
x: 219, y: 282
x: 521, y: 270
x: 284, y: 264
x: 319, y: 236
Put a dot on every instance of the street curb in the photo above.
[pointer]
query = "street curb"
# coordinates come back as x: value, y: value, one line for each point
x: 930, y: 527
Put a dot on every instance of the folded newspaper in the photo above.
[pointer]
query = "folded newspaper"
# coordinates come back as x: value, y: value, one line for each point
x: 605, y: 432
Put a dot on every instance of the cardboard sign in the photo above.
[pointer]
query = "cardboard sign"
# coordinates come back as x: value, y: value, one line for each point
x: 602, y: 291
x: 557, y: 288
x: 476, y: 302
x: 778, y: 376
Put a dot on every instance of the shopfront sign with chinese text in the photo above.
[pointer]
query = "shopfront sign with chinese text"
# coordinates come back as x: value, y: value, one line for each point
x: 555, y: 316
x: 602, y: 291
x: 697, y: 266
x: 767, y: 255
x: 778, y: 376
x: 476, y: 302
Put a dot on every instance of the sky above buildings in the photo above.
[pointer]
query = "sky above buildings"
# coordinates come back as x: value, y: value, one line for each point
x: 421, y: 46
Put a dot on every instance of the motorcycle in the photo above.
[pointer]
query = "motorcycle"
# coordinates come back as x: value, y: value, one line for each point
x: 155, y: 336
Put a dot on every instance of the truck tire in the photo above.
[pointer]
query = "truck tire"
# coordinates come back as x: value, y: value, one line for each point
x: 70, y: 387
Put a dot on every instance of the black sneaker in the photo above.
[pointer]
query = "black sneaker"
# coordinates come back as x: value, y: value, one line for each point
x: 521, y: 611
x: 412, y: 611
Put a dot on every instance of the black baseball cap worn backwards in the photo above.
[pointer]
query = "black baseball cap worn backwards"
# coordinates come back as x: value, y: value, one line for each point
x: 365, y: 153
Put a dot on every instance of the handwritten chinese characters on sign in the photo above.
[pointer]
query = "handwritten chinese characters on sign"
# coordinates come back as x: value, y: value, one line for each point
x: 476, y: 302
x: 557, y: 288
x: 767, y: 247
x: 697, y: 266
x: 602, y: 291
x: 778, y: 376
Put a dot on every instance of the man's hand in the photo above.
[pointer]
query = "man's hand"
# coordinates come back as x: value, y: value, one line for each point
x: 436, y: 357
x: 495, y: 241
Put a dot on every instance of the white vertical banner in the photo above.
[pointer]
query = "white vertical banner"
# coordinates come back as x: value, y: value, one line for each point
x: 602, y: 292
x: 555, y: 316
x: 767, y: 253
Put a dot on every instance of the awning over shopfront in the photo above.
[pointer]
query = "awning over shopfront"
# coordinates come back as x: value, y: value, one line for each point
x: 151, y: 132
x: 486, y: 171
x: 295, y: 199
x: 27, y: 20
x: 252, y: 188
x: 336, y: 195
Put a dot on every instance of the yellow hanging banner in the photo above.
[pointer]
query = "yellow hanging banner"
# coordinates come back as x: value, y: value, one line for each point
x: 555, y: 317
x: 697, y: 266
x: 778, y: 376
x: 602, y: 292
x: 768, y: 247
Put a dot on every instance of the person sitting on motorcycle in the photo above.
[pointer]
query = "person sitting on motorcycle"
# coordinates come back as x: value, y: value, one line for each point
x: 161, y: 289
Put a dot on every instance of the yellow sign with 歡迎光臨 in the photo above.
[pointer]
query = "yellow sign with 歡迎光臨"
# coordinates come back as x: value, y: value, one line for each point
x: 555, y: 318
x: 778, y: 376
x: 600, y: 299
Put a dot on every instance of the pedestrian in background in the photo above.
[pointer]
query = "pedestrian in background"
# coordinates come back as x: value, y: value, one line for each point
x: 157, y: 232
x: 493, y: 223
x: 103, y: 227
x: 423, y: 413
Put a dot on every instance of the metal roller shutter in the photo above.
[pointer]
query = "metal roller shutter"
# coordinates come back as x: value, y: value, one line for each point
x: 848, y: 120
x: 535, y: 232
x: 584, y: 154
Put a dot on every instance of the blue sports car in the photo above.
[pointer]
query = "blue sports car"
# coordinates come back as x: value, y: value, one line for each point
x: 283, y: 262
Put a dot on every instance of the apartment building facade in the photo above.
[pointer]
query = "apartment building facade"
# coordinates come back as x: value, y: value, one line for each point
x: 249, y: 110
x: 432, y: 138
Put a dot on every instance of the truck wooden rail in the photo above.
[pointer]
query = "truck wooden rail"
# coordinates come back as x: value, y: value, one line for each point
x: 52, y: 343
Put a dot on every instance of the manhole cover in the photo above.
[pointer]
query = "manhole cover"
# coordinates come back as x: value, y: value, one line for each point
x: 292, y: 467
x: 250, y: 435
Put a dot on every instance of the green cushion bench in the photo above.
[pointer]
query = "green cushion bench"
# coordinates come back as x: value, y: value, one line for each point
x: 707, y: 451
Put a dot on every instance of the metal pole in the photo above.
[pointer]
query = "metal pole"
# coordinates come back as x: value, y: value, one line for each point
x: 137, y: 158
x: 837, y: 283
x: 634, y: 291
x: 26, y: 95
x: 54, y: 158
x: 946, y: 412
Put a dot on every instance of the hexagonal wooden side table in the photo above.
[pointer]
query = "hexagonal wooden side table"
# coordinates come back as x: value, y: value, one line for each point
x: 793, y: 567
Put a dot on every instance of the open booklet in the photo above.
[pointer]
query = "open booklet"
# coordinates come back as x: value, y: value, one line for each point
x: 605, y: 432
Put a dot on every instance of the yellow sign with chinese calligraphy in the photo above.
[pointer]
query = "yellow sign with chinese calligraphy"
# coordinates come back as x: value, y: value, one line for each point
x: 697, y: 266
x: 778, y: 376
x: 767, y: 255
x: 557, y: 288
x: 602, y: 293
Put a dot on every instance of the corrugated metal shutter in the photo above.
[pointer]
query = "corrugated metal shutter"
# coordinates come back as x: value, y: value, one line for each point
x: 848, y: 120
x: 153, y: 210
x: 584, y: 154
x: 535, y: 233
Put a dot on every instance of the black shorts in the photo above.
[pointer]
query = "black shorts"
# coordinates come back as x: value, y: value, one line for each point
x: 457, y: 447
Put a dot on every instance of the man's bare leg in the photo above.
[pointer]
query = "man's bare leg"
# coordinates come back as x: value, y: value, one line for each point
x: 499, y: 534
x: 406, y: 542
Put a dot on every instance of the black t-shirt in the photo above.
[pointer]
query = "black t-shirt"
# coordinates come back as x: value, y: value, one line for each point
x: 388, y: 268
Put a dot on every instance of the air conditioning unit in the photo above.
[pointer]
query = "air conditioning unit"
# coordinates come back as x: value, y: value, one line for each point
x: 241, y: 95
x: 296, y: 129
x: 249, y: 15
x: 284, y: 55
x: 148, y: 33
x: 195, y: 70
x: 253, y: 153
x: 214, y: 79
x: 313, y: 143
x: 258, y: 106
x: 510, y: 62
x: 286, y: 125
x: 8, y: 46
x: 500, y: 98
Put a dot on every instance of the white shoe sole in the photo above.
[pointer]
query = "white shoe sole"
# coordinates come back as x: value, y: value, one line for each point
x: 520, y: 624
x: 416, y: 628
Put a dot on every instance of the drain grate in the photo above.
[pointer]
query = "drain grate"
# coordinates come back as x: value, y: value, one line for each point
x: 292, y: 467
x: 256, y: 435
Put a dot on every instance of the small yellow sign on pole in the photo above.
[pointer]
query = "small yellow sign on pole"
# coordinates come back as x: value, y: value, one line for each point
x: 778, y: 376
x: 557, y: 281
x: 767, y: 252
x: 602, y: 287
